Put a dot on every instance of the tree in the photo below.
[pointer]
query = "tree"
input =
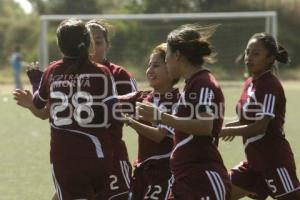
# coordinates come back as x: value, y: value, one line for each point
x: 67, y: 6
x: 11, y: 13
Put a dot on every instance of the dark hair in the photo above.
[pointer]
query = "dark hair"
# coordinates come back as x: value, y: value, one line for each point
x: 274, y: 49
x: 74, y: 41
x: 100, y: 25
x: 191, y: 40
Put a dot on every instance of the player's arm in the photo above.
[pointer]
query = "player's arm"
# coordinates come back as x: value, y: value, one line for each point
x: 152, y: 133
x: 42, y: 113
x: 257, y: 128
x: 34, y: 74
x: 24, y: 99
x: 200, y: 127
x: 233, y: 123
x: 229, y: 124
x: 266, y: 97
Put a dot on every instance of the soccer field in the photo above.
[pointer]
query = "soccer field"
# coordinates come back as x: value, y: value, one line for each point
x: 24, y: 144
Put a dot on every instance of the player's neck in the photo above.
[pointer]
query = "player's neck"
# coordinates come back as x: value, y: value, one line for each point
x: 258, y: 75
x: 190, y: 71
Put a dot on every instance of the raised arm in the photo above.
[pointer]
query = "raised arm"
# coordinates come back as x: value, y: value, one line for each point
x: 24, y: 99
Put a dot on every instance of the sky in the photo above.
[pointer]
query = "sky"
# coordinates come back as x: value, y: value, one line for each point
x: 27, y: 7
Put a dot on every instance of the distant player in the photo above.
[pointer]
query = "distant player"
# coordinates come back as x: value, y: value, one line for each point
x: 79, y: 93
x: 16, y: 63
x: 197, y: 165
x: 152, y: 175
x: 269, y: 168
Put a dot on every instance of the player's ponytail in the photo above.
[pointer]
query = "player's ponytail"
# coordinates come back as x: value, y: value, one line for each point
x: 274, y: 49
x: 192, y: 41
x: 282, y: 55
x: 74, y: 41
x: 82, y: 57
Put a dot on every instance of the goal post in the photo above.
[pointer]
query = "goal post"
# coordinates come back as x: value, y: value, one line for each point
x: 266, y: 19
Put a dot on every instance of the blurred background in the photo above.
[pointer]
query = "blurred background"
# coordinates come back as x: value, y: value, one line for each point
x: 132, y: 40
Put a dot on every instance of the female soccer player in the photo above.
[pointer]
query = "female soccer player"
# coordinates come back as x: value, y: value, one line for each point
x: 269, y: 169
x: 119, y: 180
x: 197, y: 165
x: 152, y: 174
x: 78, y: 92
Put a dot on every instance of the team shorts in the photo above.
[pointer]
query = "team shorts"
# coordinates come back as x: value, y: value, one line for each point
x: 119, y: 179
x: 151, y: 181
x: 82, y: 178
x: 275, y: 182
x: 202, y: 184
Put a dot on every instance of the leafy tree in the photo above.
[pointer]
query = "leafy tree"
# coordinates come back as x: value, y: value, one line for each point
x: 66, y: 6
x: 10, y: 13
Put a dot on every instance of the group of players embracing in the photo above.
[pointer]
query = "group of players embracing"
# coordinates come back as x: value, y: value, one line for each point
x: 88, y: 99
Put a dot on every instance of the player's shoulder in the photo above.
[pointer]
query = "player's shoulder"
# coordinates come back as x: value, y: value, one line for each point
x: 55, y: 63
x: 117, y: 69
x: 93, y: 67
x: 203, y: 79
x: 269, y: 81
x: 53, y: 66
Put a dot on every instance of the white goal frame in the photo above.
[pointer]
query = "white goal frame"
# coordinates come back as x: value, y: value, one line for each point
x: 271, y: 22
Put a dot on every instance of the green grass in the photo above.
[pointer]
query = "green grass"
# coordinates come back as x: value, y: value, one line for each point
x: 24, y: 144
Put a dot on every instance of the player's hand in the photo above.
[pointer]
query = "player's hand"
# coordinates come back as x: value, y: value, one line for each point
x: 147, y: 112
x: 126, y: 119
x: 23, y: 98
x: 34, y: 74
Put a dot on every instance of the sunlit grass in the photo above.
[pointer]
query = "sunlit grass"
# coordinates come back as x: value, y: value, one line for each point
x: 24, y: 143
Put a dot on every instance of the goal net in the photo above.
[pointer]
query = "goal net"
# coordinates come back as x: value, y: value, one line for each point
x: 135, y: 35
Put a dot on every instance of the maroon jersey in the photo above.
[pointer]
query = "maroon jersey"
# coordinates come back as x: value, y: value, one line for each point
x: 148, y: 150
x: 201, y: 93
x: 124, y: 82
x: 80, y: 107
x: 265, y: 96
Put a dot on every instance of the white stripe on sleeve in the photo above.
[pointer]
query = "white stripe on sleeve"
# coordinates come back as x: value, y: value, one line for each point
x: 268, y: 105
x: 134, y: 87
x: 283, y: 180
x: 206, y: 96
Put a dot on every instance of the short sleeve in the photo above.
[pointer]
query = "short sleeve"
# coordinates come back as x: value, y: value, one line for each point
x: 200, y: 99
x: 124, y: 82
x: 266, y: 98
x: 41, y: 96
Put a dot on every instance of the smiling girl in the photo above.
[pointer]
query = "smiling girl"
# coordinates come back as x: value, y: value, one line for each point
x: 269, y: 168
